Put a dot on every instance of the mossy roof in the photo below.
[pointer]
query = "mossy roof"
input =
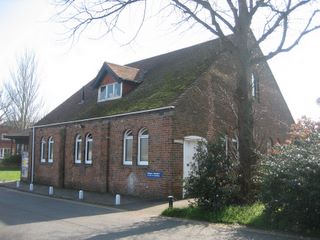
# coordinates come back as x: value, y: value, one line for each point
x: 165, y: 78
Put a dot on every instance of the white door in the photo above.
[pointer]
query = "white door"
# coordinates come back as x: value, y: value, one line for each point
x: 189, y: 149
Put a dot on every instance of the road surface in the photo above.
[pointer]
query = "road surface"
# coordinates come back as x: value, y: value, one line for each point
x: 29, y: 216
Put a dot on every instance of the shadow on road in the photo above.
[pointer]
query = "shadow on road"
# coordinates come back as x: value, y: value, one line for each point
x: 164, y: 228
x: 20, y: 208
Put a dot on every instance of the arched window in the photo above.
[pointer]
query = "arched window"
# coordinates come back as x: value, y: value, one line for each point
x: 77, y: 149
x: 50, y: 149
x: 143, y: 147
x: 127, y: 147
x: 88, y: 149
x: 42, y: 150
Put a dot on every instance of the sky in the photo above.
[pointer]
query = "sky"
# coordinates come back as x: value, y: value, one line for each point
x: 64, y: 67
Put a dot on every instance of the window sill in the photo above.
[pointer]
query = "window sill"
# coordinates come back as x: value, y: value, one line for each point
x: 108, y: 99
x: 143, y: 164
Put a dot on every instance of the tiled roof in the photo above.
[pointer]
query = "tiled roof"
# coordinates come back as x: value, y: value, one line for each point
x: 124, y: 72
x: 165, y: 78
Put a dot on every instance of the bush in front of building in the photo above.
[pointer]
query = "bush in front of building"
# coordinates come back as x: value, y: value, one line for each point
x: 291, y: 180
x: 213, y: 180
x: 11, y: 161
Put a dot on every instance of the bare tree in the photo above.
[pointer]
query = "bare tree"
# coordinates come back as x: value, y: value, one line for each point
x: 250, y: 22
x: 3, y: 107
x: 21, y: 93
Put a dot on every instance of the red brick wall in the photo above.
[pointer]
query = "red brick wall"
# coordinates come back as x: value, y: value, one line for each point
x: 107, y: 172
x: 86, y: 176
x: 49, y: 173
x: 159, y: 126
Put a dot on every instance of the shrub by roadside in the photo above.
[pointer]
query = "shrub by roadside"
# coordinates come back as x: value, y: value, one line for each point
x: 13, y: 161
x: 290, y: 181
x: 213, y: 180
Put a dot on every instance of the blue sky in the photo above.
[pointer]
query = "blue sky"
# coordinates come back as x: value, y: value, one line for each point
x: 63, y: 69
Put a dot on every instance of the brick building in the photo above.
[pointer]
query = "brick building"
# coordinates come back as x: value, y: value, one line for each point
x: 133, y: 128
x: 7, y: 146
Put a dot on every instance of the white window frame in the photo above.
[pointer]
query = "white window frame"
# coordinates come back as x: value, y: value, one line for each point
x: 4, y: 138
x: 4, y: 151
x: 127, y: 136
x: 78, y: 139
x: 113, y: 89
x: 142, y: 136
x: 50, y: 149
x: 42, y: 149
x: 1, y: 153
x: 88, y: 140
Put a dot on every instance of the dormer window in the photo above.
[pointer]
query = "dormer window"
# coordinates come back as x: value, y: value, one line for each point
x: 110, y: 91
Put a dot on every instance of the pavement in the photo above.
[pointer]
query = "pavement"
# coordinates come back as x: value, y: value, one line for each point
x: 127, y: 203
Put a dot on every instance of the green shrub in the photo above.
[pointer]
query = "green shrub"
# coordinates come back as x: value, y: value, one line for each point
x: 291, y: 180
x: 213, y: 180
x: 14, y: 160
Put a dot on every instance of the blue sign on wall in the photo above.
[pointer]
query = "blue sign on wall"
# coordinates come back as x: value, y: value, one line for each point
x: 154, y: 174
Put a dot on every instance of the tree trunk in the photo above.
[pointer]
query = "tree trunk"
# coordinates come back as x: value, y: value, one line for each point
x: 245, y: 118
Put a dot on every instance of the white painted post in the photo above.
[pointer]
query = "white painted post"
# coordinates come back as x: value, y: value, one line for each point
x: 50, y: 190
x: 81, y: 195
x: 118, y: 199
x: 31, y: 187
x: 18, y: 184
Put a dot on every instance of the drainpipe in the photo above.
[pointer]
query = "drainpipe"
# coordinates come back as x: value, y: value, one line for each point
x: 108, y: 158
x: 32, y: 157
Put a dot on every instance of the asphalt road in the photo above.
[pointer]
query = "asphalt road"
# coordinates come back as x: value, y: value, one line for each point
x: 28, y: 216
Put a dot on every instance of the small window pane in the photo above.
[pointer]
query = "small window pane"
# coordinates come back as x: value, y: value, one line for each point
x: 117, y: 89
x: 78, y: 149
x: 50, y: 154
x: 42, y: 150
x: 103, y: 93
x: 110, y: 91
x: 89, y: 151
x: 88, y: 154
x: 128, y: 150
x: 144, y: 149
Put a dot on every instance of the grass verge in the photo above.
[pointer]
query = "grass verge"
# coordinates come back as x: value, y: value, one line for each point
x: 9, y: 173
x: 251, y: 215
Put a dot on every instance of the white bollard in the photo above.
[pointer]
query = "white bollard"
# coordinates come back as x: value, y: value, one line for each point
x: 31, y: 187
x: 50, y: 190
x: 81, y: 195
x: 18, y: 184
x: 118, y: 199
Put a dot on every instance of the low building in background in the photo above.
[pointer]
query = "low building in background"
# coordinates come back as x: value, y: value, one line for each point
x: 7, y: 145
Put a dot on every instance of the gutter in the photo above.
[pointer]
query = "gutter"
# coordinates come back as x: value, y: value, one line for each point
x: 86, y: 120
x: 105, y: 117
